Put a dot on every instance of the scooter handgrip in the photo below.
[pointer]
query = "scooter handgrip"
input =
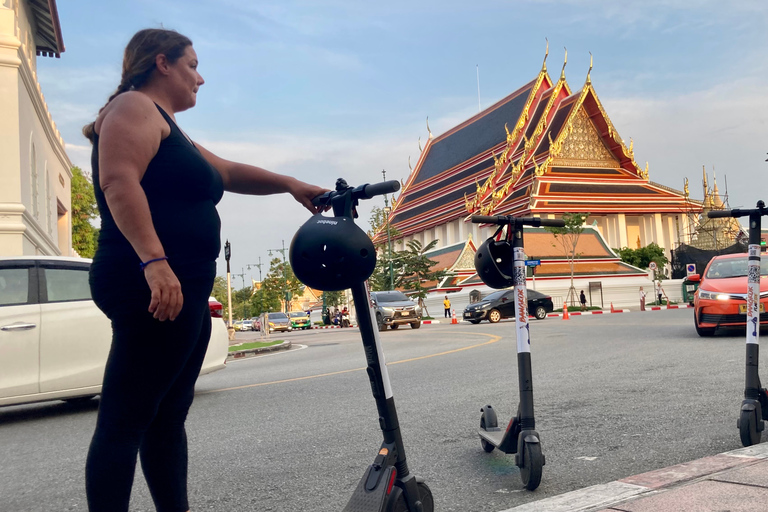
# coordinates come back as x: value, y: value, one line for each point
x: 322, y: 199
x: 716, y: 214
x: 378, y: 189
x: 553, y: 223
x: 485, y: 219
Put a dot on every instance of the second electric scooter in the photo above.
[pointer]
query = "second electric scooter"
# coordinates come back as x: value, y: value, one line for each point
x: 754, y: 407
x: 331, y: 253
x: 501, y: 263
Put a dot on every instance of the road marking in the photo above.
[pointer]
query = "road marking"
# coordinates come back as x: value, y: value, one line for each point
x: 494, y: 339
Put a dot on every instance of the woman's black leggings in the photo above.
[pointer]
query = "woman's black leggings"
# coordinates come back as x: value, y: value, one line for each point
x: 148, y: 388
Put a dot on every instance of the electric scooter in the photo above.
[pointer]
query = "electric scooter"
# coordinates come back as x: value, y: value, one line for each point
x: 387, y: 485
x: 520, y: 436
x: 754, y: 407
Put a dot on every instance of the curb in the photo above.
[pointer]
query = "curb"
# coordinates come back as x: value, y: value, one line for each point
x: 238, y: 354
x: 602, y: 496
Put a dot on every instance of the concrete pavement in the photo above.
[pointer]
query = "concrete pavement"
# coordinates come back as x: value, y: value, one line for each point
x: 734, y: 481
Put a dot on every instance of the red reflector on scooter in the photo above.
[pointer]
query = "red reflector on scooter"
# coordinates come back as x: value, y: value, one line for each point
x: 391, y: 481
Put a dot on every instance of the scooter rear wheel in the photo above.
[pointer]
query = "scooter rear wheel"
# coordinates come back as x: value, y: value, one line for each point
x: 533, y: 462
x: 488, y: 447
x: 425, y: 496
x: 748, y: 428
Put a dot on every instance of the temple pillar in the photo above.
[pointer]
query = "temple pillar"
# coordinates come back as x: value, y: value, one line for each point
x: 622, y: 230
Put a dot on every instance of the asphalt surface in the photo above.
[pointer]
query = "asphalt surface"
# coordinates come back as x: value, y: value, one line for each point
x: 616, y: 395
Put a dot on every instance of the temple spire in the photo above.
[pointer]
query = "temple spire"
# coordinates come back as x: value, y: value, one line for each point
x: 589, y: 79
x: 546, y: 54
x: 565, y: 61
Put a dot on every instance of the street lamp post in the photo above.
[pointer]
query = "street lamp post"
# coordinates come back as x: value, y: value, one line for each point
x: 258, y: 265
x: 387, y: 209
x: 285, y: 279
x: 230, y: 328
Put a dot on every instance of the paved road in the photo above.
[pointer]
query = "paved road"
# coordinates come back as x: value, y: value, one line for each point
x: 616, y: 395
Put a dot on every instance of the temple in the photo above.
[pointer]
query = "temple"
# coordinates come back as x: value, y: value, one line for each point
x: 543, y: 150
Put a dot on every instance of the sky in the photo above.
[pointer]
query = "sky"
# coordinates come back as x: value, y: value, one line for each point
x: 322, y: 89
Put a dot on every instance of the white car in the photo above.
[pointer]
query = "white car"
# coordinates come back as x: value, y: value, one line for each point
x: 54, y: 341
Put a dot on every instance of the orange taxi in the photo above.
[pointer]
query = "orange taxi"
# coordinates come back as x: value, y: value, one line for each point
x: 721, y: 300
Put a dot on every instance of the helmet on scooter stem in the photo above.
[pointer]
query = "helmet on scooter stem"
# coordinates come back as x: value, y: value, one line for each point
x: 494, y: 264
x: 331, y: 253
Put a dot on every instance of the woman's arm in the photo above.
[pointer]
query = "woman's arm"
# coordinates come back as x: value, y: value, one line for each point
x: 249, y: 179
x: 130, y: 132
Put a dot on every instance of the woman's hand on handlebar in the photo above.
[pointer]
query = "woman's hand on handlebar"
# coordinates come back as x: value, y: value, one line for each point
x: 304, y: 193
x: 167, y: 298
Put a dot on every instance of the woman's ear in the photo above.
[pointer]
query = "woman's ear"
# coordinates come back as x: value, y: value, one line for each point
x: 162, y: 64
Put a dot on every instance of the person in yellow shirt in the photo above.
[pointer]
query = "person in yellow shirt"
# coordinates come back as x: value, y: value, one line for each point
x: 447, y: 306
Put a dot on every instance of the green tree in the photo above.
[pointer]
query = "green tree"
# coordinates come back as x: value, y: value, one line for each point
x: 415, y: 268
x: 568, y: 237
x: 383, y: 274
x: 643, y: 256
x: 84, y: 210
x: 281, y: 283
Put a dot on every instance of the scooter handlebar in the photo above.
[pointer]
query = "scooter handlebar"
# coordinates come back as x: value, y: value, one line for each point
x: 717, y: 214
x: 366, y: 191
x: 528, y: 221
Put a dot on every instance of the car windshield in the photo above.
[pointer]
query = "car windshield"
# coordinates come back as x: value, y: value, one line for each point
x: 390, y: 296
x: 297, y: 314
x: 734, y: 267
x: 278, y: 316
x: 496, y: 295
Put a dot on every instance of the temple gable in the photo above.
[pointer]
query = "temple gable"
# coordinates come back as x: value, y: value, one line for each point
x: 583, y: 146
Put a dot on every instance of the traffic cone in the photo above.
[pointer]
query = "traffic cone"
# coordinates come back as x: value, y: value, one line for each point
x: 453, y: 317
x: 612, y: 310
x: 565, y: 312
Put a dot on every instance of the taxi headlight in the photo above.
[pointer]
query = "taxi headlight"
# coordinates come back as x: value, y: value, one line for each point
x: 707, y: 295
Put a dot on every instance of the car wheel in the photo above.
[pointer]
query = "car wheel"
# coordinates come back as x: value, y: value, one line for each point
x: 415, y: 325
x: 474, y: 322
x: 541, y: 313
x: 704, y: 332
x: 395, y: 326
x: 494, y: 316
x: 380, y: 323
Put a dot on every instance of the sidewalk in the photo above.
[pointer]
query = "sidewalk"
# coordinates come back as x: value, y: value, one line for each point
x: 735, y: 481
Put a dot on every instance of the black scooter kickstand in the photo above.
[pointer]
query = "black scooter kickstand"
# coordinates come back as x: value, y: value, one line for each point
x: 520, y: 437
x: 754, y: 407
x: 387, y: 485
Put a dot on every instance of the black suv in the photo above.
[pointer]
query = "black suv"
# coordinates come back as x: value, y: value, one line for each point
x: 501, y: 304
x: 393, y: 309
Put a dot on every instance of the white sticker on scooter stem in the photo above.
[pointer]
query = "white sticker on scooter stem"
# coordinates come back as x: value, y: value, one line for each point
x: 379, y: 351
x: 753, y: 294
x: 521, y: 302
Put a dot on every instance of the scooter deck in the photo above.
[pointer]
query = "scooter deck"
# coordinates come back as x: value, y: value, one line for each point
x: 492, y: 436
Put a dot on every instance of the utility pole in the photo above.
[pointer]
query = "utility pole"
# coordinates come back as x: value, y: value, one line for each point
x: 230, y: 328
x: 387, y: 211
x: 285, y: 279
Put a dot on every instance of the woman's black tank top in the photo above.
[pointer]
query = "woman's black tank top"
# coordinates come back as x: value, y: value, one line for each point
x: 182, y: 189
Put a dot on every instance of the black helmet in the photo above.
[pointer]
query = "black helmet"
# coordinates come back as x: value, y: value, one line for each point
x: 494, y: 264
x: 331, y: 253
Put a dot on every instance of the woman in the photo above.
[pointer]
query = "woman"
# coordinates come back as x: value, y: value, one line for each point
x: 154, y: 268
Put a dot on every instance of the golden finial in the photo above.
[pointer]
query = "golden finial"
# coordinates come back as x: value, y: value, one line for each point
x: 549, y: 136
x: 428, y: 130
x: 420, y: 144
x: 546, y: 54
x: 589, y: 80
x: 631, y: 146
x: 409, y: 162
x: 562, y: 73
x: 685, y: 188
x: 506, y: 129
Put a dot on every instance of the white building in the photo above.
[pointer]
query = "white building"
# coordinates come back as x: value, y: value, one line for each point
x: 35, y: 172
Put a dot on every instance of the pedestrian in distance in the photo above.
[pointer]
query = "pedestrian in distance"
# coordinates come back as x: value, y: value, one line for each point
x: 642, y: 299
x: 447, y: 306
x: 153, y: 271
x: 583, y: 300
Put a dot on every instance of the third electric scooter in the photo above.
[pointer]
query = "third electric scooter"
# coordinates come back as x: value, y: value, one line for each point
x: 501, y: 263
x: 754, y: 407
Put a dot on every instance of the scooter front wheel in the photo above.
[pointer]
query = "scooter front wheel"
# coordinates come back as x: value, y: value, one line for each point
x: 425, y: 496
x: 748, y: 428
x: 533, y: 462
x: 488, y: 447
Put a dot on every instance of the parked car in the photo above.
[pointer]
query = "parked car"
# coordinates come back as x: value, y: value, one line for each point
x: 721, y: 300
x: 276, y: 321
x: 299, y: 320
x: 238, y: 325
x: 394, y: 309
x: 54, y: 341
x: 501, y: 304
